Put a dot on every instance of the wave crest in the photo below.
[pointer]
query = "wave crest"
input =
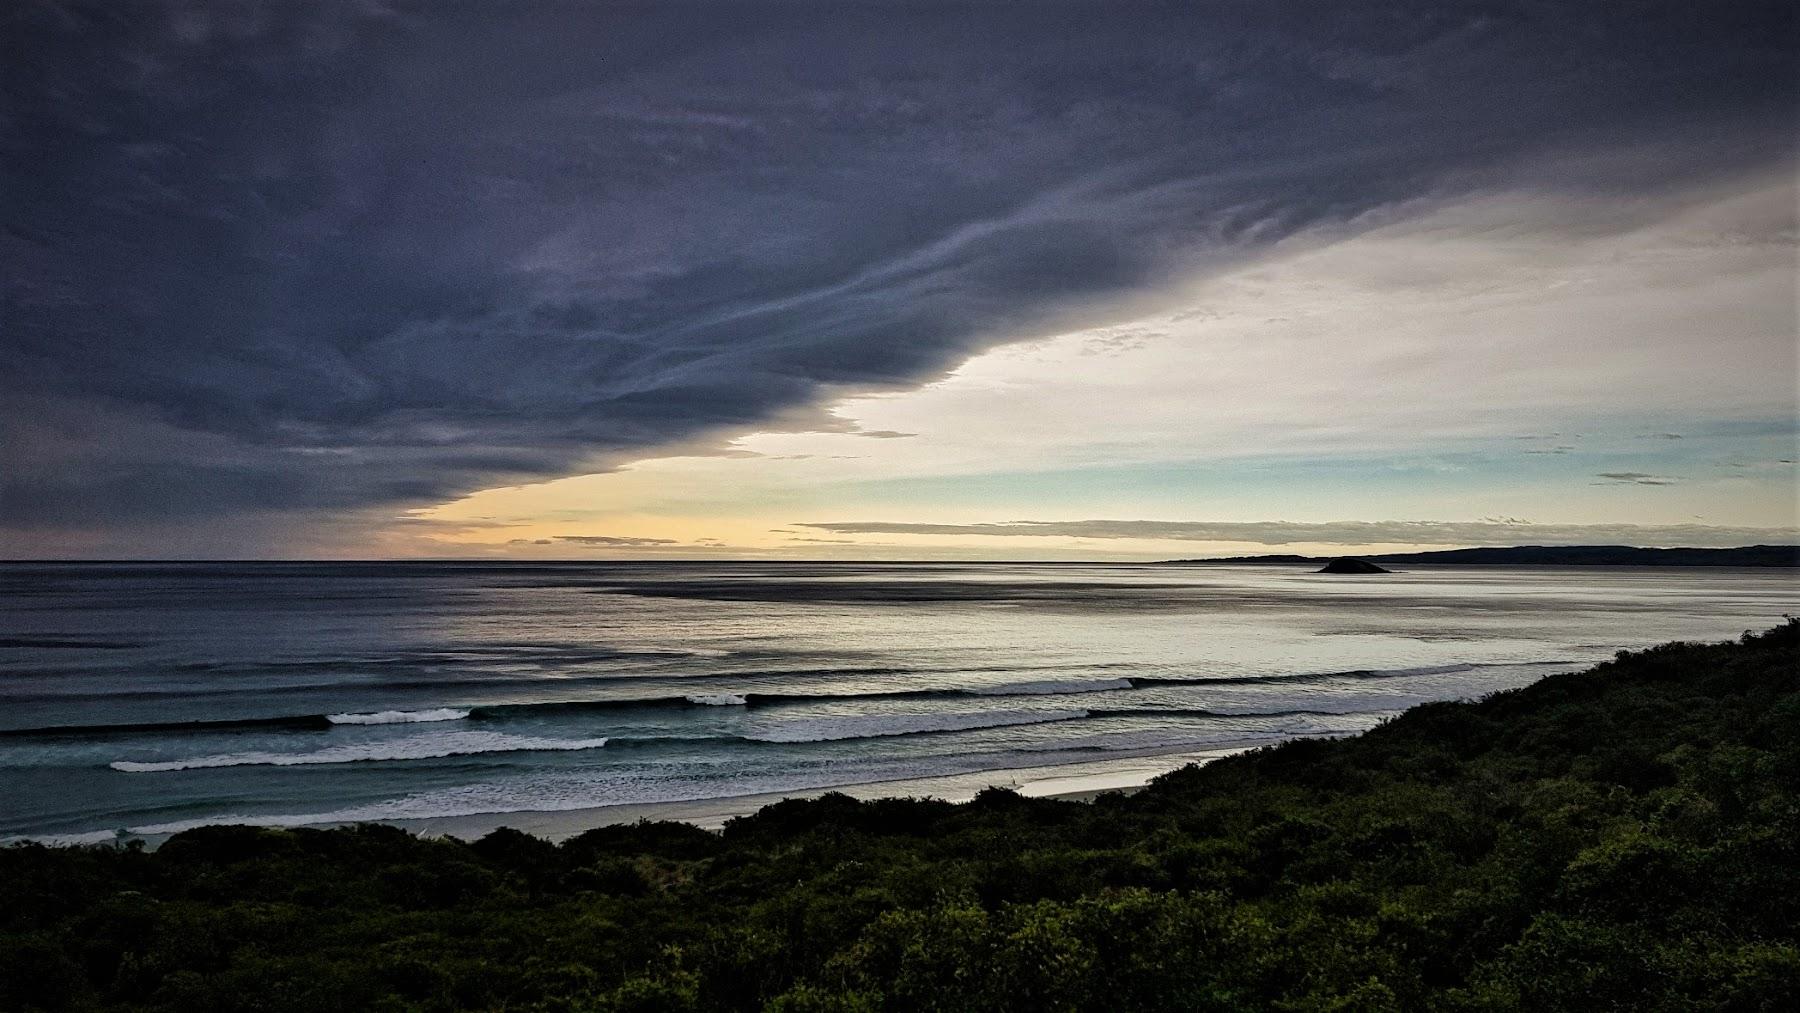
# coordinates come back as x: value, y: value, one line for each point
x: 872, y: 726
x: 417, y: 748
x: 679, y: 652
x: 398, y: 717
x: 1051, y: 687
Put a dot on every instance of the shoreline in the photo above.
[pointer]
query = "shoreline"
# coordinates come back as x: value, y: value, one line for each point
x: 1053, y: 781
x: 1074, y: 781
x: 1079, y: 781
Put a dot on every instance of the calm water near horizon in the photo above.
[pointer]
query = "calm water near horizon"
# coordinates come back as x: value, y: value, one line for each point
x: 154, y: 697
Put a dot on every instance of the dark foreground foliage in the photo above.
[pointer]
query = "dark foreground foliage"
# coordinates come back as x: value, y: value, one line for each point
x: 1625, y: 838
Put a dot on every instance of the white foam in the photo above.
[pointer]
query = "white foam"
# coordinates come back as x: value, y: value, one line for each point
x: 398, y: 717
x: 869, y: 726
x: 422, y: 747
x: 717, y: 700
x: 692, y: 652
x: 1052, y: 687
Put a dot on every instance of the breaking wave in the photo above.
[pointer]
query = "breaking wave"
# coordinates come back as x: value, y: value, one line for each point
x: 1051, y: 687
x: 398, y: 717
x: 753, y: 700
x: 417, y: 748
x: 871, y: 726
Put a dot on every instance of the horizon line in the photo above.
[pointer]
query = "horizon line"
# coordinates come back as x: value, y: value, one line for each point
x: 765, y: 559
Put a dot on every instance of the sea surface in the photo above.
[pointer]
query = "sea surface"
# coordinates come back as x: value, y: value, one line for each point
x: 145, y: 699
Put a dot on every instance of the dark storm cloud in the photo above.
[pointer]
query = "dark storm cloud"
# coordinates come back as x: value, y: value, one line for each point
x: 279, y: 258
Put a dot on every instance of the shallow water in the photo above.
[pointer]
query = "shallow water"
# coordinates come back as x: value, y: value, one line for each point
x: 158, y: 696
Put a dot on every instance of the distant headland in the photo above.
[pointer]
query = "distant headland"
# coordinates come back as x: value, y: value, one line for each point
x: 1551, y: 555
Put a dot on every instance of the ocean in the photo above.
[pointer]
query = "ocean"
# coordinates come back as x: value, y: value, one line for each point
x: 143, y: 699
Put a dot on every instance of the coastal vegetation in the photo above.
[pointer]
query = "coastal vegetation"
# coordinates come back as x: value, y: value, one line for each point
x: 1622, y: 838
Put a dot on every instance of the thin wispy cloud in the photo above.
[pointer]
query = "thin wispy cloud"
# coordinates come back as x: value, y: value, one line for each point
x: 1488, y: 532
x: 614, y: 541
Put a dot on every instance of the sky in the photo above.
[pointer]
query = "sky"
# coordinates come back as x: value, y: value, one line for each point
x: 889, y: 280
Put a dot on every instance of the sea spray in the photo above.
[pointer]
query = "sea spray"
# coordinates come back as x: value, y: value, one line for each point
x: 717, y: 700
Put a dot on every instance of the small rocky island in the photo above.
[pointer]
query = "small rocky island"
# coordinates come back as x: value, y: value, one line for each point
x: 1348, y: 564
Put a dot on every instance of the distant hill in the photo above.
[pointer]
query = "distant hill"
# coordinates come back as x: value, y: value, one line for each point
x: 1555, y: 555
